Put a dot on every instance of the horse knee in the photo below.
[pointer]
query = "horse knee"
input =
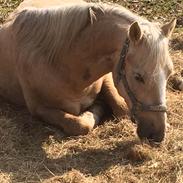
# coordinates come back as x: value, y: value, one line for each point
x: 84, y: 129
x: 78, y: 129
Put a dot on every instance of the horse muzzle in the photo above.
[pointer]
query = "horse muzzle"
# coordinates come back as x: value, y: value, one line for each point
x: 151, y: 126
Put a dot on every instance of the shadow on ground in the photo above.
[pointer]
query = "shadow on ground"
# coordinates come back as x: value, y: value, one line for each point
x: 177, y: 44
x: 22, y: 152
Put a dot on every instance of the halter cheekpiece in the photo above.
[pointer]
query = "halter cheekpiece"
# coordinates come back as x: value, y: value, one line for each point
x: 121, y: 76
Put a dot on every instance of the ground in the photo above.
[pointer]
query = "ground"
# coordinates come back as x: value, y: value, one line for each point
x: 32, y: 152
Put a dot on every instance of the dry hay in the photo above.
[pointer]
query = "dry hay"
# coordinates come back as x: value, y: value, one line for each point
x: 31, y: 151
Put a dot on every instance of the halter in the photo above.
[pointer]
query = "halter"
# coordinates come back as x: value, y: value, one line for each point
x: 136, y: 105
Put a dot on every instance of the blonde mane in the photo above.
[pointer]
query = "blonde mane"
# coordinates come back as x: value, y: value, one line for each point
x: 157, y: 44
x: 50, y: 32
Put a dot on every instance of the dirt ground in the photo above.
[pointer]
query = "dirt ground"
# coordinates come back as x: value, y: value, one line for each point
x: 32, y: 152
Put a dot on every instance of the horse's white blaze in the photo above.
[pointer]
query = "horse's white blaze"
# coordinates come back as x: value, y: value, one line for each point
x: 162, y: 86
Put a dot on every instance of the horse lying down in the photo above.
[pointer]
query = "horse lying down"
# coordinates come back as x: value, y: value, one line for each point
x: 57, y: 60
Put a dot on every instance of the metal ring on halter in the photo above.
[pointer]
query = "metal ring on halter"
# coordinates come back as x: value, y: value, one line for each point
x: 121, y: 75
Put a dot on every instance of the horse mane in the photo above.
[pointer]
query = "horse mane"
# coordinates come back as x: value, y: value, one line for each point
x: 50, y: 32
x: 157, y: 44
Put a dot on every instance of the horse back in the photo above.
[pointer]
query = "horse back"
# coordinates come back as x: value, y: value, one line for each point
x: 46, y: 3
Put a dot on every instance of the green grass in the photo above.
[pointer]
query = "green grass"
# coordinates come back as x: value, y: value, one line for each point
x: 153, y: 9
x: 7, y: 6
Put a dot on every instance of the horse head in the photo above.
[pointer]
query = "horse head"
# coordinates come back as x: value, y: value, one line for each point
x: 142, y: 74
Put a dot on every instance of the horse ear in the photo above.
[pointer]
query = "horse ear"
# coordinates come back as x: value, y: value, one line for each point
x: 168, y: 28
x: 135, y: 32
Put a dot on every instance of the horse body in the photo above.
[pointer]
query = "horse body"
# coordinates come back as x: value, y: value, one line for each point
x: 46, y: 3
x: 58, y: 73
x: 9, y: 82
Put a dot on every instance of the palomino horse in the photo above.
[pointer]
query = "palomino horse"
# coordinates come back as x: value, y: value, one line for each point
x: 56, y: 60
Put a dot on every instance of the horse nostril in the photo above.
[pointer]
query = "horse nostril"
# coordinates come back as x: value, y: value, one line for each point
x: 156, y: 137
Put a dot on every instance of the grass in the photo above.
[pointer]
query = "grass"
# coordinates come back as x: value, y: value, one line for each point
x: 7, y: 6
x: 153, y: 9
x: 32, y: 152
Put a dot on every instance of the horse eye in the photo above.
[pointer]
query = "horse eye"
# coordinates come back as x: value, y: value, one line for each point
x: 139, y: 78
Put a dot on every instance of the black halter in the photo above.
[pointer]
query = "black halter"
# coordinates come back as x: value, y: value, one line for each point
x: 136, y: 105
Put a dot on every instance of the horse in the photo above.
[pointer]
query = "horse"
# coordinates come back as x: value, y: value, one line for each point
x: 60, y: 60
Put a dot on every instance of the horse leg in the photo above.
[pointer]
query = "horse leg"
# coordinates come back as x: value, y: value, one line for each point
x: 71, y: 124
x: 112, y: 97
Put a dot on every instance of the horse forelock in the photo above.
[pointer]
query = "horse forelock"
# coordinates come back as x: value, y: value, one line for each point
x: 155, y: 46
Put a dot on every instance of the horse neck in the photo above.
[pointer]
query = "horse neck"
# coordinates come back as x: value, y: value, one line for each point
x: 105, y: 40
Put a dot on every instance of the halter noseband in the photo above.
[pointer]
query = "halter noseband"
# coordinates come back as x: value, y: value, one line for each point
x: 136, y: 105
